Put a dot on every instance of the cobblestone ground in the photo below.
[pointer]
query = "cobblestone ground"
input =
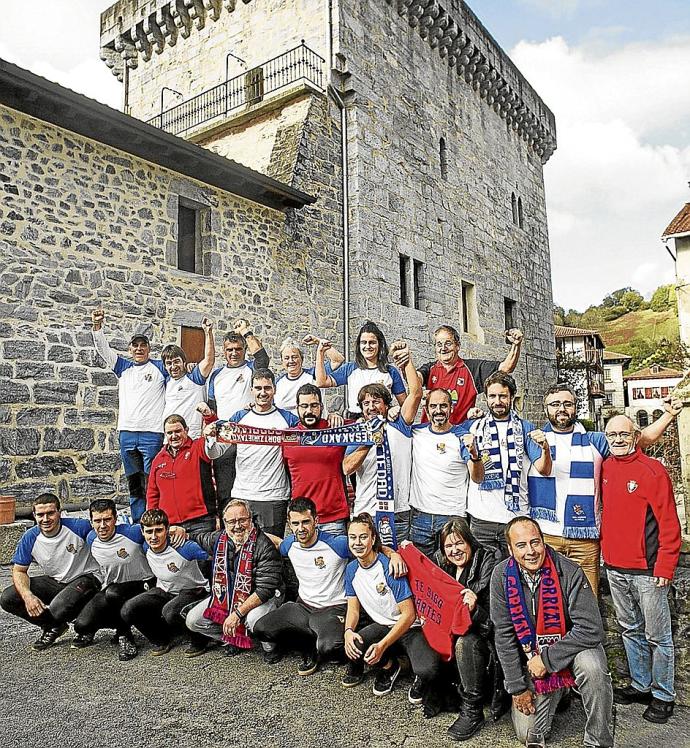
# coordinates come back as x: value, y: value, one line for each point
x: 87, y: 699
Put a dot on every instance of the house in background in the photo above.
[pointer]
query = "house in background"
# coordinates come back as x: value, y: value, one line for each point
x: 580, y: 362
x: 614, y: 386
x: 647, y: 389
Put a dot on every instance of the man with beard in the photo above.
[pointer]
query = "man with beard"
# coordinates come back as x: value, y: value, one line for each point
x: 70, y: 575
x: 567, y: 502
x: 247, y: 583
x: 261, y: 474
x: 317, y: 472
x: 230, y: 390
x: 292, y: 358
x: 640, y: 543
x: 375, y: 401
x: 184, y: 390
x: 463, y: 379
x: 118, y: 550
x: 439, y: 474
x: 498, y: 451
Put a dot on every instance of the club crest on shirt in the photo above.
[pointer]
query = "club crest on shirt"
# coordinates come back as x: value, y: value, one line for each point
x: 319, y: 562
x: 441, y: 448
x: 434, y: 379
x: 632, y: 486
x: 122, y: 553
x: 240, y: 378
x: 148, y: 378
x: 461, y: 382
x: 187, y: 455
x: 71, y: 548
x: 172, y: 567
x: 381, y: 588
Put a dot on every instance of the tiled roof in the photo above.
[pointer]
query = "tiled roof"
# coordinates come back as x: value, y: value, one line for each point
x: 656, y: 372
x: 572, y: 332
x: 680, y: 224
x: 614, y: 356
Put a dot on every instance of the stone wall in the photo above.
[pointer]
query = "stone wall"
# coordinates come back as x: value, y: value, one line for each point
x: 82, y: 224
x: 403, y: 98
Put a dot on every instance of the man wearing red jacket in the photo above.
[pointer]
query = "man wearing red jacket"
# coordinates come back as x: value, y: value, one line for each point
x: 640, y: 544
x: 316, y: 473
x: 180, y: 480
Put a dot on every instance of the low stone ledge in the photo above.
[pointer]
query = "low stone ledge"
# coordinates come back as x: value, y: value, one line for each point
x: 9, y: 537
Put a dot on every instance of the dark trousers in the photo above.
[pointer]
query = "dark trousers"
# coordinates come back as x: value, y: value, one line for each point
x: 64, y: 601
x: 103, y: 609
x: 490, y: 534
x: 425, y: 662
x: 156, y: 613
x: 224, y: 472
x: 270, y: 516
x: 305, y: 628
x: 472, y: 659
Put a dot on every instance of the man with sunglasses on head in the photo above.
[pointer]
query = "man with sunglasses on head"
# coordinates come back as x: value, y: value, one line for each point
x: 567, y: 502
x: 640, y: 543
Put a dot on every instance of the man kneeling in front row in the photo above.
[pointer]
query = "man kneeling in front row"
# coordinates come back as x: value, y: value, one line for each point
x: 247, y: 583
x: 560, y: 645
x: 70, y: 575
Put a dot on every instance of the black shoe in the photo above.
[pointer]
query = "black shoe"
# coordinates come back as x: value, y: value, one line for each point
x: 416, y: 693
x: 309, y: 664
x: 658, y: 711
x: 82, y: 640
x: 272, y: 656
x: 385, y: 679
x: 230, y: 650
x: 161, y: 649
x: 49, y: 637
x: 127, y: 649
x: 630, y: 695
x: 469, y: 722
x: 353, y: 675
x: 195, y: 649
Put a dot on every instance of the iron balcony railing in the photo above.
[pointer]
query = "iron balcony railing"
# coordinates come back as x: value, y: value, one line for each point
x: 250, y: 87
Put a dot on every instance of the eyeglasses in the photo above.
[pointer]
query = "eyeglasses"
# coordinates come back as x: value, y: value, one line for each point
x: 233, y: 522
x: 613, y: 435
x: 567, y: 404
x: 441, y: 344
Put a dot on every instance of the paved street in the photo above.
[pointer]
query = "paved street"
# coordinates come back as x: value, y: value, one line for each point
x: 90, y: 700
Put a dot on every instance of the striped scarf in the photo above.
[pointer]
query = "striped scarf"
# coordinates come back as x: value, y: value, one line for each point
x: 549, y: 627
x: 579, y: 518
x: 495, y: 477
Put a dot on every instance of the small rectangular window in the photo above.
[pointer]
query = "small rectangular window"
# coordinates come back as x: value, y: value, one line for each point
x: 468, y: 313
x: 192, y: 341
x: 607, y: 375
x: 187, y: 232
x: 404, y: 272
x: 254, y: 85
x: 510, y: 313
x: 418, y: 283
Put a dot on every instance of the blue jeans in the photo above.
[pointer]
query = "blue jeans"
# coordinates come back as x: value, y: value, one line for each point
x: 335, y: 528
x: 643, y: 612
x: 425, y: 528
x: 137, y: 450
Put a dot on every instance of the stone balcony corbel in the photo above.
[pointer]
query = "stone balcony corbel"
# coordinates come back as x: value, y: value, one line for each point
x: 197, y: 13
x: 125, y: 47
x: 113, y: 61
x: 180, y: 16
x: 448, y: 37
x: 438, y: 29
x: 213, y: 9
x: 141, y: 42
x: 229, y: 5
x: 428, y: 18
x: 416, y: 11
x: 153, y: 33
x: 167, y: 26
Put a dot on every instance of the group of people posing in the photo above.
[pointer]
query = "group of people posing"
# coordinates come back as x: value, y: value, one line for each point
x: 515, y: 518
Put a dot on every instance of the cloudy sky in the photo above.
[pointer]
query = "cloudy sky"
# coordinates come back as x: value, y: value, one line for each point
x: 614, y: 72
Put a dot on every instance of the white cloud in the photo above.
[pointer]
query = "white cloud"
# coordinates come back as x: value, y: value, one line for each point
x: 622, y: 166
x: 59, y: 40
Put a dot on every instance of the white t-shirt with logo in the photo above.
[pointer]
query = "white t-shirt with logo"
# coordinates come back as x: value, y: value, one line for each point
x: 182, y: 396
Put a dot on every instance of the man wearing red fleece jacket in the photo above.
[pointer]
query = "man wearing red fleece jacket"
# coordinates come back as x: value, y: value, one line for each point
x: 640, y: 544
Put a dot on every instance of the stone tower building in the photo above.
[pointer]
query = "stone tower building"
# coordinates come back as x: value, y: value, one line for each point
x: 307, y: 164
x: 435, y: 139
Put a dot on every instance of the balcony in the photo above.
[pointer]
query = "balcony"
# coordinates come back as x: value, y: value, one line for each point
x: 300, y: 64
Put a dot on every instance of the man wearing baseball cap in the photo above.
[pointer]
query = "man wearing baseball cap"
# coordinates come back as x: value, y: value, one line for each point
x: 141, y: 392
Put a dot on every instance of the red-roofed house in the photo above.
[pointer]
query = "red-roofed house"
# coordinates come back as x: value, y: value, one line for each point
x: 647, y: 389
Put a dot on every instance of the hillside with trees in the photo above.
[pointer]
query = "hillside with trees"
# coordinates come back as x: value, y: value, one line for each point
x: 646, y: 330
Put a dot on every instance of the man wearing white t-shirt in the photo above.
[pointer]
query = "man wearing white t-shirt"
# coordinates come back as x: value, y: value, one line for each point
x: 439, y: 474
x: 292, y: 358
x: 261, y: 476
x: 70, y: 578
x: 229, y: 390
x: 375, y: 401
x: 186, y: 389
x: 499, y: 451
x: 141, y: 396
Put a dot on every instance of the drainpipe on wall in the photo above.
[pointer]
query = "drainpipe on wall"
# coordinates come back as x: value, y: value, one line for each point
x: 346, y: 224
